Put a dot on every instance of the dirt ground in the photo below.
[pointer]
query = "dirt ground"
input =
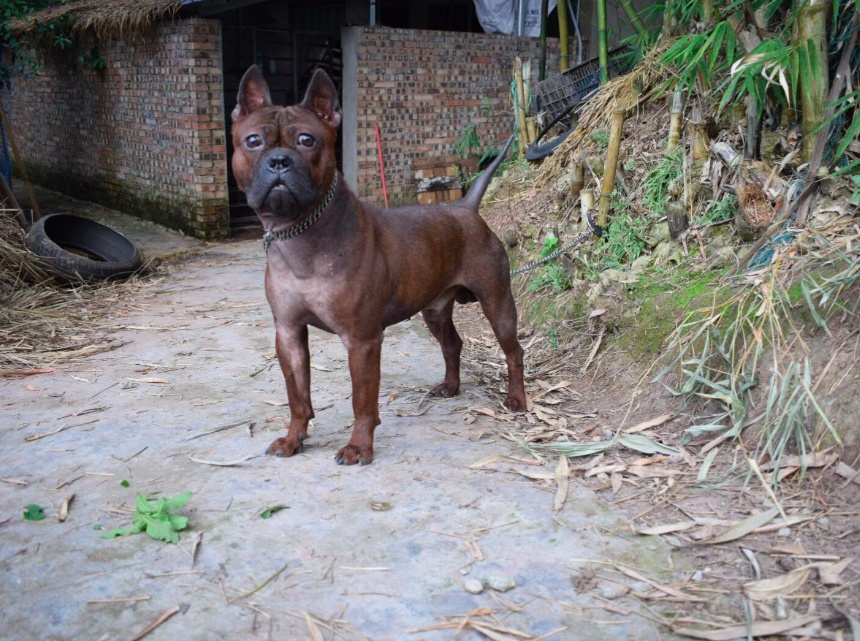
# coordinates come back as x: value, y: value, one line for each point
x: 453, y: 501
x: 377, y: 552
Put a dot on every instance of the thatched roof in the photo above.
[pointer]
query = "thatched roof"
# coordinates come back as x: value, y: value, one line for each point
x: 105, y: 18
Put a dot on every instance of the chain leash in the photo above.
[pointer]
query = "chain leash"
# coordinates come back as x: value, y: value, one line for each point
x: 593, y: 228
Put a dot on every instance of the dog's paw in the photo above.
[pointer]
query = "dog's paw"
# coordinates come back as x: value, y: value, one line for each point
x: 350, y: 455
x: 284, y: 446
x: 514, y: 404
x: 444, y: 390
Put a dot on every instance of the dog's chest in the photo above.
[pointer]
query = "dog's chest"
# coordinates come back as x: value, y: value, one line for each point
x: 315, y: 292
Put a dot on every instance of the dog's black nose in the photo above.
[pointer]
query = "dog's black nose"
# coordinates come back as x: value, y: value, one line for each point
x: 279, y: 162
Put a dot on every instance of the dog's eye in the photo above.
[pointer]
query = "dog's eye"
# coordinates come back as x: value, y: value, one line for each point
x: 253, y: 141
x: 306, y: 140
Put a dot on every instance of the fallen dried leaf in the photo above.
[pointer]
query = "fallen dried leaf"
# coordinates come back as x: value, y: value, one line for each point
x: 829, y: 573
x: 654, y: 422
x: 561, y: 479
x: 777, y: 586
x: 756, y: 629
x: 666, y: 529
x: 742, y: 528
x: 63, y: 512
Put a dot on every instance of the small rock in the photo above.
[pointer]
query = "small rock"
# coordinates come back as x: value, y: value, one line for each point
x: 784, y: 532
x: 640, y: 586
x: 823, y: 522
x: 473, y: 586
x: 641, y: 263
x: 607, y: 433
x: 612, y: 590
x: 698, y: 575
x: 501, y: 583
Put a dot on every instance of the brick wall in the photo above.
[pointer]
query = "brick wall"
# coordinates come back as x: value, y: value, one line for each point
x: 144, y: 136
x: 423, y: 88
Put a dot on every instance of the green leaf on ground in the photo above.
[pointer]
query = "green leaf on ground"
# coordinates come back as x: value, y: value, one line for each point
x: 269, y: 511
x: 153, y: 517
x: 34, y: 512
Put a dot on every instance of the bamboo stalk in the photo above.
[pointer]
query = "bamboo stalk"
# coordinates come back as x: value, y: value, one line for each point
x: 564, y: 42
x: 812, y: 32
x: 634, y: 18
x: 578, y: 179
x: 675, y: 113
x: 519, y: 107
x: 751, y: 140
x: 615, y: 128
x: 698, y: 136
x: 531, y: 128
x: 586, y: 204
x: 602, y: 41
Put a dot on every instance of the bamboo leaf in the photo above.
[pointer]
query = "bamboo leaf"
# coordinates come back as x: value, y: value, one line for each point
x: 848, y: 138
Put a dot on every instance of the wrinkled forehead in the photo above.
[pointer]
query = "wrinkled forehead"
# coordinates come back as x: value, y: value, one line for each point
x: 276, y: 118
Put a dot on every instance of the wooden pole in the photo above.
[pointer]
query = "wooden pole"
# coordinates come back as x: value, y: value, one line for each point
x: 8, y: 127
x: 544, y: 9
x: 616, y: 126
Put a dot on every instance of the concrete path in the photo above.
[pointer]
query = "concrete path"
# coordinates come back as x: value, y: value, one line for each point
x: 378, y: 552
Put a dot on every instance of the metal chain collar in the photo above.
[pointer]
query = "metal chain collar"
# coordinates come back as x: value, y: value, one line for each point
x: 593, y: 228
x: 270, y: 236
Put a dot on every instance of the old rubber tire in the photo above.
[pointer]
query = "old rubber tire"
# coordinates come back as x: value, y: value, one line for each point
x: 82, y: 248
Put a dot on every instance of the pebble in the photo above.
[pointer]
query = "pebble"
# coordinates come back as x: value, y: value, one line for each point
x: 612, y: 590
x: 784, y: 532
x: 698, y: 575
x: 501, y: 583
x: 473, y: 586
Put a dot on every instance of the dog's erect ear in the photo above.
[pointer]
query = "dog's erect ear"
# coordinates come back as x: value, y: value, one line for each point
x: 253, y: 93
x: 321, y: 98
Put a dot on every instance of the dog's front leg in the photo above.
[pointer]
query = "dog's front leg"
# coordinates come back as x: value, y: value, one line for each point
x: 291, y: 346
x: 364, y: 364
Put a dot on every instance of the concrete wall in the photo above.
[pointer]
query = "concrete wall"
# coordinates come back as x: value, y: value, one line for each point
x: 145, y: 136
x: 423, y: 88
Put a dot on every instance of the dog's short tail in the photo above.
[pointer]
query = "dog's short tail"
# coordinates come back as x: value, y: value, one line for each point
x: 476, y: 191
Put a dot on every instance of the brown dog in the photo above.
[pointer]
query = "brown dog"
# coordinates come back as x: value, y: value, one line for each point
x: 345, y: 267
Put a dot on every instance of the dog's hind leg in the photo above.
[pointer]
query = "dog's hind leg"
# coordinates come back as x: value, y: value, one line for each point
x: 441, y: 324
x: 291, y: 346
x: 501, y: 310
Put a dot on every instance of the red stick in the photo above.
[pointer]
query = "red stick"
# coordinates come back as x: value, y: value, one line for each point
x: 381, y: 165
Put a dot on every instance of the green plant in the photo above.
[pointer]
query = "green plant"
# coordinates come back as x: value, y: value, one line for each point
x: 624, y: 241
x: 600, y: 138
x: 717, y: 211
x: 716, y: 353
x: 154, y: 517
x: 467, y: 142
x: 855, y: 197
x: 657, y: 181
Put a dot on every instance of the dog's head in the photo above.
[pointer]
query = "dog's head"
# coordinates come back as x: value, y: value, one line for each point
x: 284, y: 157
